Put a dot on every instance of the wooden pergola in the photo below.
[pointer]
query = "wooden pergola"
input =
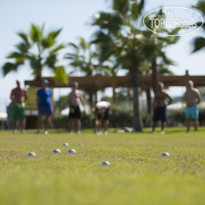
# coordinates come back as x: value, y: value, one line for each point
x: 99, y: 82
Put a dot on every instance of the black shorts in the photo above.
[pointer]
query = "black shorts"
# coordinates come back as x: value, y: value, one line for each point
x: 160, y: 114
x: 103, y: 114
x: 76, y: 114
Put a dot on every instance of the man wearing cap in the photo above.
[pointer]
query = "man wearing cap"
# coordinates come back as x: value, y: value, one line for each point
x: 74, y: 99
x: 45, y: 105
x: 192, y: 98
x: 18, y: 97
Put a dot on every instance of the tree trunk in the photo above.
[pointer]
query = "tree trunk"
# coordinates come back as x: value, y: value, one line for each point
x: 90, y: 98
x: 135, y: 79
x: 113, y: 94
x: 96, y: 96
x: 155, y: 78
x: 149, y: 100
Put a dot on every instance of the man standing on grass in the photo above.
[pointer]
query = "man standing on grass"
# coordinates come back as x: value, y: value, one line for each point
x: 18, y: 97
x: 74, y: 99
x: 192, y: 98
x: 45, y: 106
x: 160, y: 105
x: 102, y: 112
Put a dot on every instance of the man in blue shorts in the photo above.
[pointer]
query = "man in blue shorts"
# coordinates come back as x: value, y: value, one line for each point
x: 192, y: 98
x: 45, y: 105
x: 160, y: 105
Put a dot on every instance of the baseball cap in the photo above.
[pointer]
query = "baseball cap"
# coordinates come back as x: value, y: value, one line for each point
x: 45, y: 81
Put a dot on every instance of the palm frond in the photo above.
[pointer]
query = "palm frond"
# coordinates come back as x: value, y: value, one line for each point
x: 35, y: 33
x: 199, y: 44
x: 121, y: 6
x: 8, y: 67
x: 60, y: 75
x: 57, y: 48
x: 54, y: 34
x: 24, y: 37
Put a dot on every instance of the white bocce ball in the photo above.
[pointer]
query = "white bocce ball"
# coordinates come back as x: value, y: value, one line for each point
x: 106, y: 163
x: 56, y: 151
x: 165, y: 154
x: 31, y: 154
x: 65, y: 144
x: 71, y: 151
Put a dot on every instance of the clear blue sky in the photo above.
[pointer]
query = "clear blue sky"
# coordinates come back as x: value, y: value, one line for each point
x: 73, y: 17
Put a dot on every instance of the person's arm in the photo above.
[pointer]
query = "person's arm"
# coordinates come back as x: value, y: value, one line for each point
x: 82, y: 100
x: 198, y: 95
x: 170, y: 98
x: 154, y: 103
x: 12, y: 96
x: 185, y: 99
x: 26, y: 94
x: 69, y: 100
x: 37, y: 100
x: 52, y: 99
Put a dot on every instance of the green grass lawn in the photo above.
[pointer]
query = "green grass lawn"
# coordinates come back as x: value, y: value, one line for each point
x: 137, y: 175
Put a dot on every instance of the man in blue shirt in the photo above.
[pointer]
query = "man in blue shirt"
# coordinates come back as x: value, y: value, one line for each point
x: 45, y: 105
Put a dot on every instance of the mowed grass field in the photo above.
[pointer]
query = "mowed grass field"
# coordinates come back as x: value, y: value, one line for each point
x: 137, y: 174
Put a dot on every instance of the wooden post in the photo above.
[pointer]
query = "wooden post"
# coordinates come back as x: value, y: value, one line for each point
x: 96, y: 96
x: 113, y: 94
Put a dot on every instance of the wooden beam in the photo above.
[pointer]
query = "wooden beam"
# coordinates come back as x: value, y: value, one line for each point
x: 98, y: 82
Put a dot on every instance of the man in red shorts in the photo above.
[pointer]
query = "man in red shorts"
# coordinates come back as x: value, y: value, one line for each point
x: 18, y: 97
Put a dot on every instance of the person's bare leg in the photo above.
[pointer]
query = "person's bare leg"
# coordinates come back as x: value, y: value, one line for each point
x: 71, y: 126
x: 48, y: 122
x: 188, y: 125
x: 78, y: 125
x: 153, y: 126
x: 163, y: 126
x: 39, y: 121
x: 196, y: 124
x: 106, y: 124
x: 96, y: 126
x: 15, y: 126
x: 23, y: 123
x: 100, y: 126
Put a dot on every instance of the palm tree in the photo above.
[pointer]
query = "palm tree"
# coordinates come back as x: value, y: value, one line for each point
x: 199, y: 42
x: 40, y: 51
x: 120, y: 34
x: 115, y: 38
